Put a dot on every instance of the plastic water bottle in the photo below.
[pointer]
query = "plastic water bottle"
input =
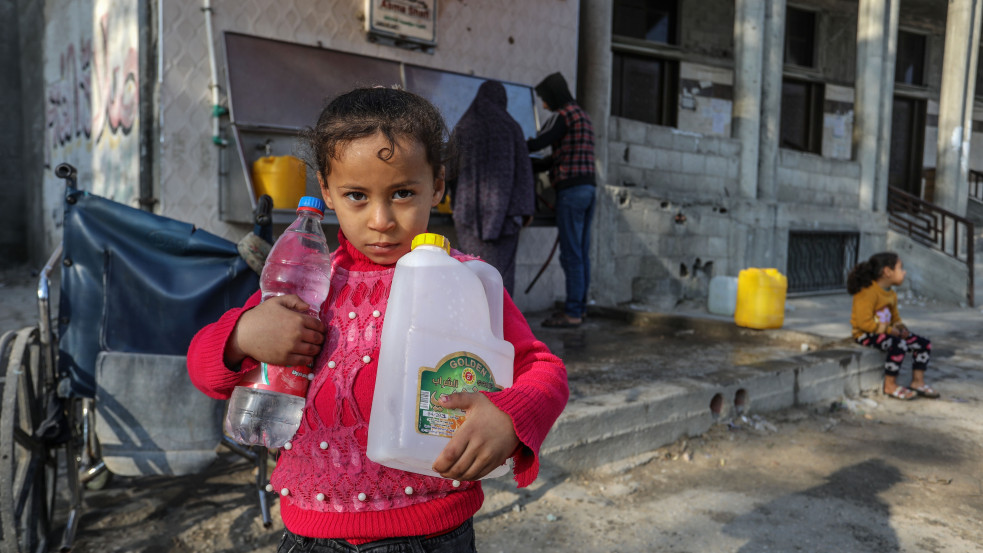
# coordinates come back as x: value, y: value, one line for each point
x: 442, y: 334
x: 267, y: 404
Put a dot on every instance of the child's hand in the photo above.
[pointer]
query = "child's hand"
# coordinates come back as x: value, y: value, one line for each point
x: 903, y: 331
x: 481, y: 444
x: 277, y: 331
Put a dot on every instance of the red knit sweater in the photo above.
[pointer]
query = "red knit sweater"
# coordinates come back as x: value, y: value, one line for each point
x: 332, y: 489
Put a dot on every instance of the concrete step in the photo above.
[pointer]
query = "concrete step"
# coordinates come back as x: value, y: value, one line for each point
x: 657, y: 410
x: 601, y: 429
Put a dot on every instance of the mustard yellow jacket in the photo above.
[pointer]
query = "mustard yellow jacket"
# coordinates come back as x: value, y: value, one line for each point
x: 872, y: 306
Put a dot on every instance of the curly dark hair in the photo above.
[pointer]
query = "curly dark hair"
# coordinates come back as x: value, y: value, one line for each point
x: 868, y: 271
x: 362, y: 112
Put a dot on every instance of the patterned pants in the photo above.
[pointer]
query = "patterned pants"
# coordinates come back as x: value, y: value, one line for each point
x: 896, y: 348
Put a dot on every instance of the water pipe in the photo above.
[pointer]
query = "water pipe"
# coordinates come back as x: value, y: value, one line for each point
x: 217, y: 109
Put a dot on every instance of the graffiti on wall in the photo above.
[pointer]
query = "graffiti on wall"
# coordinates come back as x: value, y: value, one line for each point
x: 92, y: 96
x: 118, y: 87
x: 71, y: 116
x: 68, y: 99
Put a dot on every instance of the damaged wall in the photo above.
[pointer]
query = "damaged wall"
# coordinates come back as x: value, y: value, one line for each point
x: 671, y: 210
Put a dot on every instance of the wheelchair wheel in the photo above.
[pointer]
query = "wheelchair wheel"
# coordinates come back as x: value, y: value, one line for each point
x: 27, y: 466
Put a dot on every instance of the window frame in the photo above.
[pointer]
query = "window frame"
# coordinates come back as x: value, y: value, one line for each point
x: 978, y: 90
x: 816, y: 99
x: 669, y: 87
x: 675, y: 30
x: 814, y: 61
x: 924, y: 61
x: 669, y: 54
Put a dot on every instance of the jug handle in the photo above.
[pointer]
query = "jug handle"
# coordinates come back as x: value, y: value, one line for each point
x: 491, y: 281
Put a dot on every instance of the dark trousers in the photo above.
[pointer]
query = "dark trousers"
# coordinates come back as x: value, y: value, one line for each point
x: 896, y: 347
x: 458, y: 540
x: 497, y: 253
x: 574, y: 210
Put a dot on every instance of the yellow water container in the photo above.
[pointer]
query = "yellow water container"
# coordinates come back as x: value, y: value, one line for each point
x: 760, y: 298
x: 445, y: 205
x: 284, y: 178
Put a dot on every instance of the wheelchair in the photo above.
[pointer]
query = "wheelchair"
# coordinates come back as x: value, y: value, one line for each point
x: 102, y: 388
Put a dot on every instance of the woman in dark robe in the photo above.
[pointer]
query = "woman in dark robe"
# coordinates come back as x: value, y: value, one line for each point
x: 491, y: 181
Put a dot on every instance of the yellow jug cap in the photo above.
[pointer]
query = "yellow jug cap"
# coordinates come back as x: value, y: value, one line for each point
x: 431, y: 239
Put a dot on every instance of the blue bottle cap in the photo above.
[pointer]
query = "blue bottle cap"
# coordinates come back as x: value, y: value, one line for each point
x: 311, y: 202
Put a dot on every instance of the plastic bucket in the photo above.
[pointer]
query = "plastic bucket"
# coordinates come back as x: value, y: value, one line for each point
x: 284, y: 178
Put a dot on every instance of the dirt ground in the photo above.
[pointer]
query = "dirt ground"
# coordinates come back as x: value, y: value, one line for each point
x: 863, y: 475
x: 866, y: 475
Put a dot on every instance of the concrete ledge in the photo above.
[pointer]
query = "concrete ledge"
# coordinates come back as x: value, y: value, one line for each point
x: 601, y: 429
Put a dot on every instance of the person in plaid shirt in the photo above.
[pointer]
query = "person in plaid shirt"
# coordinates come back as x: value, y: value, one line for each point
x: 570, y: 136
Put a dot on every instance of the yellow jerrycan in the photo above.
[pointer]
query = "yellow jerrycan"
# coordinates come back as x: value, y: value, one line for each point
x: 284, y: 178
x: 760, y: 298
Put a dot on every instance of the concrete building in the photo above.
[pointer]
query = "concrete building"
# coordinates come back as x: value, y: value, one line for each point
x: 770, y: 136
x: 753, y: 133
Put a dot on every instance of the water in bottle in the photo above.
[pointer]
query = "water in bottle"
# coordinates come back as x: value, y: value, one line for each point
x: 267, y: 404
x: 442, y: 334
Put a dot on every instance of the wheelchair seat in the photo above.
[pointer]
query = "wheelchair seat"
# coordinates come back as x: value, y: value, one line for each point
x: 150, y: 419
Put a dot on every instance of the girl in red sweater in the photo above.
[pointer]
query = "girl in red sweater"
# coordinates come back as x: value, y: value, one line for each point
x: 377, y: 154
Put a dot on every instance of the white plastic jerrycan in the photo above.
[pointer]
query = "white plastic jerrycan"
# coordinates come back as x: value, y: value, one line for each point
x: 442, y: 334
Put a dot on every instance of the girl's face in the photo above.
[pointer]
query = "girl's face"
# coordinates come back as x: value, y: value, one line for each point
x: 895, y: 275
x: 382, y: 204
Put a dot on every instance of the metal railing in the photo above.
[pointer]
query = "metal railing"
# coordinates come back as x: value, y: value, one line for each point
x: 934, y: 227
x: 974, y: 178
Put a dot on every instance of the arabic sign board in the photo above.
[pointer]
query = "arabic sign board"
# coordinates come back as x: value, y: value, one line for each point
x: 409, y: 20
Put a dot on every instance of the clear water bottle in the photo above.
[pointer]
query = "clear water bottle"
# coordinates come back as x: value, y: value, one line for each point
x: 267, y: 404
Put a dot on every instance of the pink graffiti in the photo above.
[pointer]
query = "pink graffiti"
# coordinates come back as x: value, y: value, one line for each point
x: 118, y: 86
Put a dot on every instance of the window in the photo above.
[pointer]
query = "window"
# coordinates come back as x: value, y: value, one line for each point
x: 802, y: 116
x: 644, y: 89
x: 979, y: 75
x: 909, y: 67
x: 907, y: 145
x: 651, y: 20
x: 800, y: 37
x: 820, y: 260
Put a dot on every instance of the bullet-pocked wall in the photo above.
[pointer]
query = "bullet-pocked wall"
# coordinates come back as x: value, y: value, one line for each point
x: 671, y: 207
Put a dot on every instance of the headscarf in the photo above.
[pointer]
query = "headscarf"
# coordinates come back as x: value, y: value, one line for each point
x: 491, y: 167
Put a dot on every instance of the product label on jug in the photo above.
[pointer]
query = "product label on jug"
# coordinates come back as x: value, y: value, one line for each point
x: 458, y: 372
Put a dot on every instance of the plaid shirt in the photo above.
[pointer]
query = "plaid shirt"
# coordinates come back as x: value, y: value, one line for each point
x: 573, y: 156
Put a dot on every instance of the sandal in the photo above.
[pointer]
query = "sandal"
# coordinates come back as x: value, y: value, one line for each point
x: 902, y: 393
x: 561, y: 320
x: 926, y: 391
